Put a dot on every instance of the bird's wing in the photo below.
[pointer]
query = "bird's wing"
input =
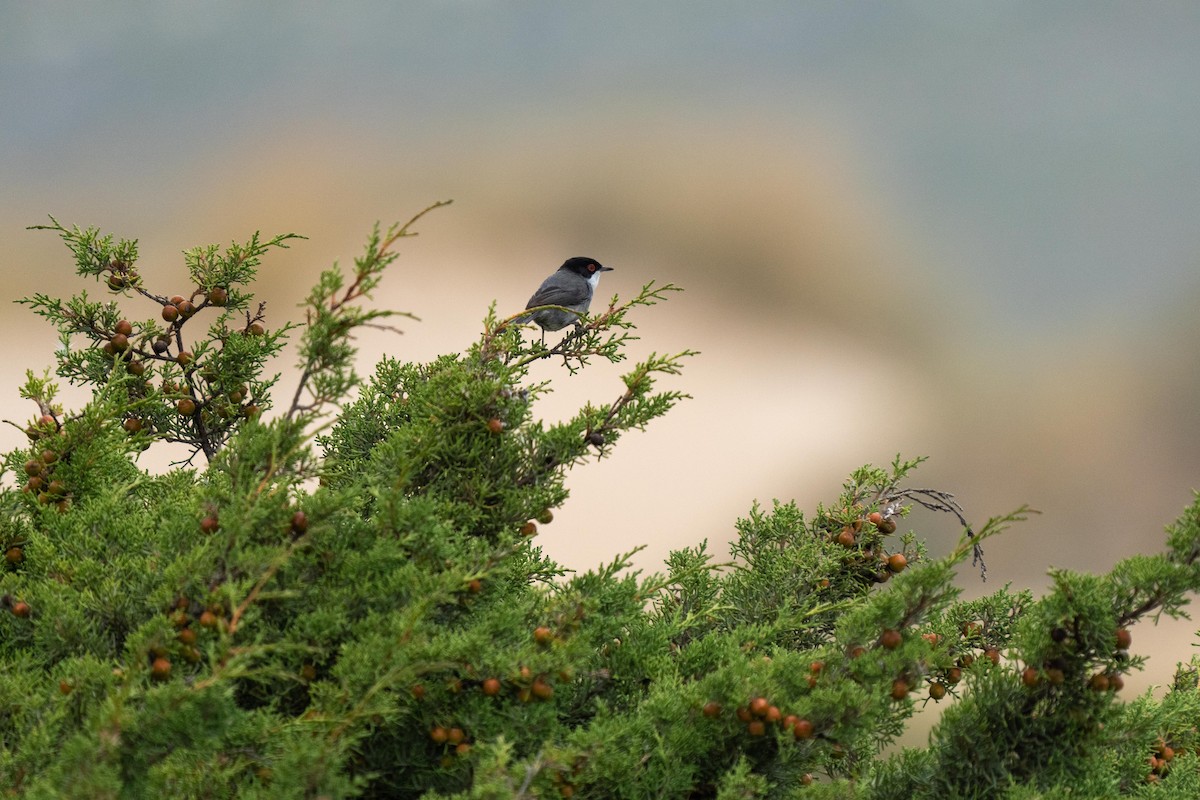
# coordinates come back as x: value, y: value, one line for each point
x: 555, y: 294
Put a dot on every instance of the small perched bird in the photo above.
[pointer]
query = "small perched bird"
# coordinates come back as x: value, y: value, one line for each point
x: 572, y: 286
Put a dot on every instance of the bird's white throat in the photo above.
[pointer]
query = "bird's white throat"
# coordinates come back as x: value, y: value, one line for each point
x: 594, y: 280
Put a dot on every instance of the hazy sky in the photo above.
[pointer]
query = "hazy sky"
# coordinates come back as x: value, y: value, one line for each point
x: 1047, y: 151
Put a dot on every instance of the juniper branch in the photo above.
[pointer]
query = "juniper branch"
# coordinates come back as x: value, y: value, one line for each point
x: 326, y: 355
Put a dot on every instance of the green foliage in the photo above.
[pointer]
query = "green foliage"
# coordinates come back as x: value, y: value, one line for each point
x: 365, y: 613
x: 326, y: 355
x: 1057, y: 722
x: 210, y: 381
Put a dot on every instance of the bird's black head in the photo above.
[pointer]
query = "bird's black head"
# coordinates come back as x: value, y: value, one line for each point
x: 585, y: 267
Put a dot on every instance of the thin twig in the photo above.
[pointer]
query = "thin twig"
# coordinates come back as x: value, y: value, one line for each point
x: 935, y: 500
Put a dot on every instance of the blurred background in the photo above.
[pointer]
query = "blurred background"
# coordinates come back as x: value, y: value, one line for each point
x: 960, y: 230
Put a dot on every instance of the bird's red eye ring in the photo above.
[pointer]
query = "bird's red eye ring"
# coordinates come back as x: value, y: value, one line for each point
x: 591, y: 267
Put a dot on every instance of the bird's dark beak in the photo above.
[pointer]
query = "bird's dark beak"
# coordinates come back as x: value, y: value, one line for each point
x: 606, y: 269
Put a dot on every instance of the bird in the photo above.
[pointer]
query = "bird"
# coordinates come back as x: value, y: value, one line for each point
x: 572, y: 285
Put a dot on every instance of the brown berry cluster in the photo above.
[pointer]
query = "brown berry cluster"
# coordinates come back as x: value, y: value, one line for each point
x: 939, y: 684
x: 123, y: 348
x: 120, y: 275
x: 530, y: 527
x: 759, y: 713
x: 118, y: 339
x: 562, y: 777
x: 891, y: 639
x: 1055, y: 670
x: 1160, y: 760
x: 191, y: 620
x: 39, y: 470
x: 863, y: 537
x: 202, y: 395
x: 454, y: 740
x: 531, y: 687
x: 976, y: 642
x: 906, y: 682
x: 525, y: 685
